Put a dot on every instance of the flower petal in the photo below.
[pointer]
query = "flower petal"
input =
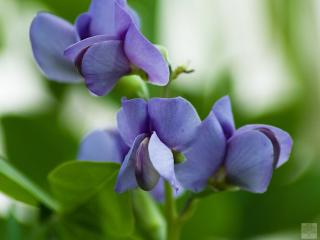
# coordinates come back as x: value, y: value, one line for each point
x: 126, y: 178
x: 146, y: 175
x: 162, y: 160
x: 283, y: 138
x: 142, y: 53
x: 132, y: 119
x: 74, y: 51
x: 223, y: 111
x: 134, y: 16
x: 82, y: 25
x: 122, y: 3
x: 108, y: 18
x: 249, y: 161
x: 103, y: 17
x: 204, y: 156
x: 174, y: 119
x: 103, y: 146
x: 102, y: 65
x: 49, y: 37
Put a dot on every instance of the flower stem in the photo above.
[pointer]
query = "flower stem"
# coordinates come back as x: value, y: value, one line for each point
x: 173, y: 223
x: 176, y: 221
x: 189, y: 208
x: 144, y: 91
x: 165, y: 91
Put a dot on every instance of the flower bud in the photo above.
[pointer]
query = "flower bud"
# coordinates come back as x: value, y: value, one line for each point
x: 146, y: 175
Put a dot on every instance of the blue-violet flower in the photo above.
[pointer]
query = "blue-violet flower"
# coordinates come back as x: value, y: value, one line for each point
x: 150, y: 135
x: 247, y: 156
x: 104, y: 44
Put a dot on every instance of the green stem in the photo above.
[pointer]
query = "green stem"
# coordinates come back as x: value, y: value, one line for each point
x: 189, y: 208
x: 174, y: 74
x: 173, y: 224
x: 176, y: 221
x: 144, y: 91
x: 165, y: 91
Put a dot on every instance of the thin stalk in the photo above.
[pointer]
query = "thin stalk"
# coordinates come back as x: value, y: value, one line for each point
x: 189, y: 208
x: 144, y: 91
x: 165, y: 91
x: 173, y: 224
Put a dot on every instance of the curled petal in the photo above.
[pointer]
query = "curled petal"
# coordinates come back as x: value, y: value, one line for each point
x: 122, y: 3
x: 134, y: 16
x: 82, y: 25
x: 204, y: 156
x: 103, y: 146
x: 284, y: 140
x: 74, y: 51
x: 132, y: 119
x: 126, y: 178
x: 175, y: 121
x: 249, y: 161
x: 223, y: 111
x: 49, y: 37
x: 162, y: 160
x: 146, y: 56
x: 102, y: 65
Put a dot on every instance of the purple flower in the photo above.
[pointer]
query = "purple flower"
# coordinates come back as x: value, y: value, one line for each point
x: 150, y: 136
x: 248, y: 156
x: 104, y: 44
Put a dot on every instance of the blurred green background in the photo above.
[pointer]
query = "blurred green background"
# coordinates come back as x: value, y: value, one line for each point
x: 264, y: 54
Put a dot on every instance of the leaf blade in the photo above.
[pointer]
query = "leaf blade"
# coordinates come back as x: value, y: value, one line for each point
x: 23, y: 189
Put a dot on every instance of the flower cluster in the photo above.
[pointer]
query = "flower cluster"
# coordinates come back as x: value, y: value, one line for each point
x: 159, y: 139
x: 152, y: 135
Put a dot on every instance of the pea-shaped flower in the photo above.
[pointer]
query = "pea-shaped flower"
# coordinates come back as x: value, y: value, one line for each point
x: 246, y: 156
x: 151, y: 135
x: 104, y: 44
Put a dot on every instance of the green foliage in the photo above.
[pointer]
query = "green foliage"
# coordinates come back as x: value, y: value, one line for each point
x: 36, y: 144
x: 75, y: 182
x: 85, y: 204
x: 21, y: 188
x: 89, y: 186
x: 13, y: 230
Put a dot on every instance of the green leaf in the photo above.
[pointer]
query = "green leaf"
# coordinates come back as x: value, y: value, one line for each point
x: 90, y: 187
x: 19, y: 187
x: 37, y: 144
x: 75, y: 182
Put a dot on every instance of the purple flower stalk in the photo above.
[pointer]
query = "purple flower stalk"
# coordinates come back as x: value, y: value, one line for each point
x: 150, y: 136
x: 248, y: 155
x: 103, y: 45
